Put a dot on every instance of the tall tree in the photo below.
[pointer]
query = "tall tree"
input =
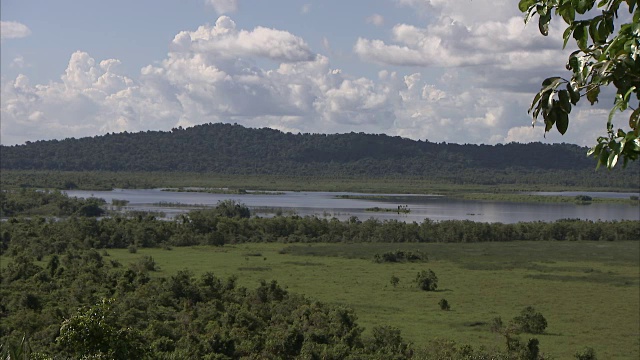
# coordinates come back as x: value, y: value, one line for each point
x: 608, y: 54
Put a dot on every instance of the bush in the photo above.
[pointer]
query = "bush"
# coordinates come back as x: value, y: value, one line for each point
x: 530, y: 321
x: 497, y: 325
x: 400, y: 256
x: 395, y: 280
x: 427, y: 280
x: 586, y: 354
x: 444, y: 305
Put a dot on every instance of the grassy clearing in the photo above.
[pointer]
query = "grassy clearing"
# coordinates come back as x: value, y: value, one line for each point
x: 106, y: 180
x: 589, y: 292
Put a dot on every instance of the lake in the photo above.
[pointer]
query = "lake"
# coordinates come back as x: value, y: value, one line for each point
x: 328, y: 204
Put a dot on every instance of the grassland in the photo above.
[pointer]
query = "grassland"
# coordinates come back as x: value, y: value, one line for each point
x: 588, y: 291
x: 106, y: 180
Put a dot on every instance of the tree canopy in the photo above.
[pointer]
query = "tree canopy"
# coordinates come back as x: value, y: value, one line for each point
x: 608, y: 55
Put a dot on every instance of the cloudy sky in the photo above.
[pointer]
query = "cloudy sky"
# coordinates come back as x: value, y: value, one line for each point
x: 460, y: 71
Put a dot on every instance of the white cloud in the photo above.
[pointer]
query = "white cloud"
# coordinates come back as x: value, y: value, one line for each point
x: 448, y: 43
x: 209, y: 75
x: 224, y: 6
x: 18, y: 62
x: 306, y: 9
x: 267, y: 77
x: 375, y: 19
x: 224, y: 41
x: 13, y: 30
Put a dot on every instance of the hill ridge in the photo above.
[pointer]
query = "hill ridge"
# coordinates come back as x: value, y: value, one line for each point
x: 235, y: 149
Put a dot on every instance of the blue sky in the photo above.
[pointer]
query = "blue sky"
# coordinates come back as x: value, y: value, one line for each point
x: 459, y: 71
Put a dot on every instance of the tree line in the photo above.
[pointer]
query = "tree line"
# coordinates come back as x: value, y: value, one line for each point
x: 230, y: 223
x: 233, y: 149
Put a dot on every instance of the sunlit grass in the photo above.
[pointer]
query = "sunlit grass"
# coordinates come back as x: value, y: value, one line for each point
x: 588, y: 291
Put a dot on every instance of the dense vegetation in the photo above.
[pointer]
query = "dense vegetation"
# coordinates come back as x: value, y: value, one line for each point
x: 71, y: 300
x: 203, y: 227
x: 233, y: 149
x: 52, y: 203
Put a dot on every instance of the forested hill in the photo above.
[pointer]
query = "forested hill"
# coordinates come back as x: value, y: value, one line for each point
x: 233, y: 149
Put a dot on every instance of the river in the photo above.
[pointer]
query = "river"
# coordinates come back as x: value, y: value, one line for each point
x: 329, y: 204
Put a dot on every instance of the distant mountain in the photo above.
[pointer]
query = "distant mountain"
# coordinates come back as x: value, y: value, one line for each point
x: 234, y: 149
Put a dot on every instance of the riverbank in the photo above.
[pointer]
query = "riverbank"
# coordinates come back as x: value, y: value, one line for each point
x: 102, y: 180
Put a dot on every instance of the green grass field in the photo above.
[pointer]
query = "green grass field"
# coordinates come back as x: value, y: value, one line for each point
x: 589, y: 292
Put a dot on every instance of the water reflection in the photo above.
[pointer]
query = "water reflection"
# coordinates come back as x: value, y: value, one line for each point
x: 329, y: 204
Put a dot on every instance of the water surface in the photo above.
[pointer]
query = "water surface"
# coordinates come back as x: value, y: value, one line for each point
x: 327, y: 204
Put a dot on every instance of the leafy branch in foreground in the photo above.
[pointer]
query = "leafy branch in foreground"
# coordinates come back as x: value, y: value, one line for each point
x: 603, y: 58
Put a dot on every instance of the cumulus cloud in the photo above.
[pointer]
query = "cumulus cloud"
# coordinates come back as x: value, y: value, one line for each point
x: 13, y: 30
x: 266, y: 77
x: 224, y: 6
x: 224, y: 41
x: 449, y: 43
x: 210, y: 75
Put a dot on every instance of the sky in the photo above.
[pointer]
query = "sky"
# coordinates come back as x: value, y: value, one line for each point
x: 456, y: 71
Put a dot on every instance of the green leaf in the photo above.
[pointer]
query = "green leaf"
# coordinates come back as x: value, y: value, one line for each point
x: 543, y: 23
x: 592, y: 94
x: 581, y: 35
x: 603, y: 31
x: 634, y: 119
x: 565, y: 103
x: 615, y: 107
x: 550, y: 81
x: 593, y: 30
x: 582, y: 6
x: 627, y: 94
x: 595, y: 150
x: 602, y: 158
x: 565, y: 35
x: 524, y: 5
x: 574, y: 94
x: 568, y: 13
x: 562, y: 121
x: 550, y: 119
x: 612, y: 160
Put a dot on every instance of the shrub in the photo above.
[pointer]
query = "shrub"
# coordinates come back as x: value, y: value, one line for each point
x: 497, y: 325
x: 444, y: 305
x: 530, y: 321
x: 427, y: 280
x: 395, y: 280
x: 586, y: 354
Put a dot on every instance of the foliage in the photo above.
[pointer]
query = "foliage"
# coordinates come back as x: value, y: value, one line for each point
x: 20, y: 351
x: 530, y: 321
x: 41, y: 236
x: 182, y: 315
x: 42, y: 202
x: 586, y: 354
x: 604, y: 57
x: 394, y: 280
x: 233, y: 149
x: 232, y: 209
x: 444, y: 305
x: 179, y: 317
x: 400, y: 256
x: 93, y: 332
x: 427, y: 280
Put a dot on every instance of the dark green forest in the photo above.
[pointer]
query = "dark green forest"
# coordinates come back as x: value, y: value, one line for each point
x: 233, y: 149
